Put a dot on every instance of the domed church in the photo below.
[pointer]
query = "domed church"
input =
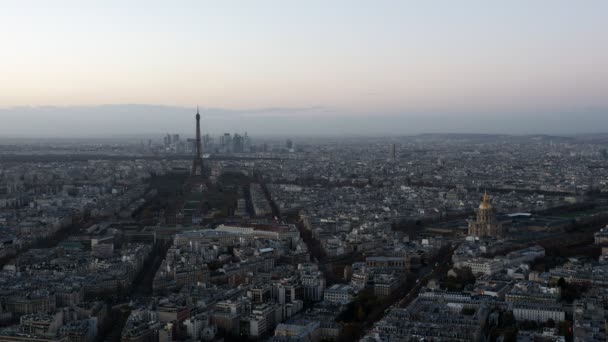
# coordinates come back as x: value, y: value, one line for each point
x: 486, y: 224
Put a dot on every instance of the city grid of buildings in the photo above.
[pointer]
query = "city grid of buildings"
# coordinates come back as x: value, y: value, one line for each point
x: 431, y: 237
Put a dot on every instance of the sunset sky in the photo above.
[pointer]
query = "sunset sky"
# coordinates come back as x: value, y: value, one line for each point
x: 350, y: 58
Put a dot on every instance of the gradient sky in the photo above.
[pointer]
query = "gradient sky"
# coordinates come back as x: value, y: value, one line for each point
x: 438, y: 59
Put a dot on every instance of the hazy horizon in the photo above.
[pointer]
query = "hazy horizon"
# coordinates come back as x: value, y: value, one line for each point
x: 72, y: 68
x: 152, y: 120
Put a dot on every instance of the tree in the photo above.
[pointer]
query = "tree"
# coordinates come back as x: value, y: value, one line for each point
x: 350, y: 333
x: 507, y: 319
x: 529, y: 325
x: 468, y: 311
x: 360, y: 313
x: 564, y: 328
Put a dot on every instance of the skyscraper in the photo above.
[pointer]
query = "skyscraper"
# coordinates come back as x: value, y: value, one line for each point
x: 197, y: 165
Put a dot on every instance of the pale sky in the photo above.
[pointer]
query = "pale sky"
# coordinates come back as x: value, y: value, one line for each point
x: 351, y: 58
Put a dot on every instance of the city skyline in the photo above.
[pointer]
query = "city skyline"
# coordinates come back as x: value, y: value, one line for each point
x: 303, y: 171
x: 481, y: 238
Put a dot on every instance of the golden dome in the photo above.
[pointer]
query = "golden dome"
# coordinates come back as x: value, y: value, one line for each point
x: 485, y: 206
x: 485, y: 203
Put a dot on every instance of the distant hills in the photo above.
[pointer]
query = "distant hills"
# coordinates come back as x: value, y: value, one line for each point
x: 142, y: 120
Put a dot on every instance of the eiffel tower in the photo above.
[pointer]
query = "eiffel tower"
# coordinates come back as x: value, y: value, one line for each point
x: 197, y: 164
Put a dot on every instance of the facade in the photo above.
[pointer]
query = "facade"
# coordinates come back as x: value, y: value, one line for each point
x: 37, y: 301
x: 286, y: 291
x: 533, y: 293
x: 385, y: 284
x: 359, y: 277
x: 276, y: 231
x: 313, y: 282
x: 226, y: 316
x: 601, y: 237
x: 482, y: 265
x: 590, y: 318
x: 539, y: 313
x: 338, y: 294
x: 31, y: 338
x: 396, y: 263
x: 260, y: 293
x: 262, y: 320
x: 194, y: 327
x: 432, y: 319
x: 301, y: 331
